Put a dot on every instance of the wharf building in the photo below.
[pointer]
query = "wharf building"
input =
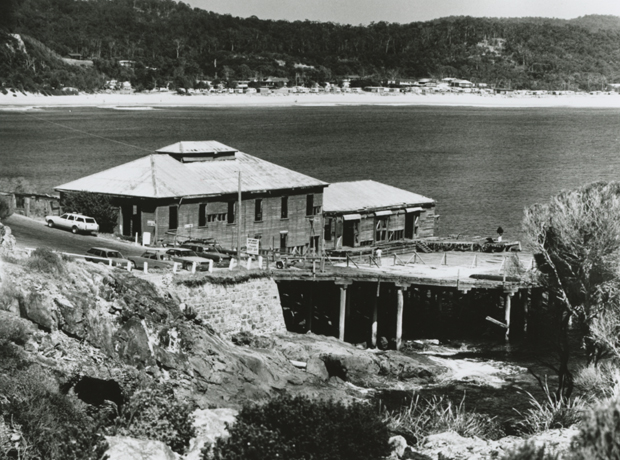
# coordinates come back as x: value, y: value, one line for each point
x: 368, y: 213
x: 190, y: 190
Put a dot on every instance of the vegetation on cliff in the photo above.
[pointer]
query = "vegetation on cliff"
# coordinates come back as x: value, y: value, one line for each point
x: 168, y: 41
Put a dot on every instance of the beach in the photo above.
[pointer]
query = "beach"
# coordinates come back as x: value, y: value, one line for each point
x: 142, y: 101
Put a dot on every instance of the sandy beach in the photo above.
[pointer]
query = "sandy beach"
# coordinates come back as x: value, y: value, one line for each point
x: 145, y: 101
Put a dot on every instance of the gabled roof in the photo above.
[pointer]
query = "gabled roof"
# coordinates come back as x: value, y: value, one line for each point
x: 366, y: 195
x: 161, y: 176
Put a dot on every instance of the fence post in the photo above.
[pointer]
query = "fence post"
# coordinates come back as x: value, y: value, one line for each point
x: 249, y: 264
x: 128, y: 266
x: 232, y: 263
x: 444, y: 259
x: 210, y: 265
x: 174, y: 267
x: 110, y: 263
x: 260, y: 262
x: 146, y: 267
x: 193, y: 267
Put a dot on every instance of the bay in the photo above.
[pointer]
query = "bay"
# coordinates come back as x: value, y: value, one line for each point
x: 483, y: 166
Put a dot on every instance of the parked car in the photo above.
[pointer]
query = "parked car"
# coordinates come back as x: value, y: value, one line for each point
x: 110, y: 254
x: 187, y: 257
x: 207, y: 251
x: 75, y: 222
x: 154, y: 259
x: 212, y: 246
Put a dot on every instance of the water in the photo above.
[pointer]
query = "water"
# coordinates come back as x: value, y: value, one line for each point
x: 482, y: 165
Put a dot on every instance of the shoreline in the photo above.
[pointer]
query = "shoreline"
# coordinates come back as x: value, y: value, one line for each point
x: 148, y: 101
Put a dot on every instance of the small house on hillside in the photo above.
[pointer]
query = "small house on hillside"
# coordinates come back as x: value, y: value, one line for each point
x: 190, y: 190
x: 368, y: 213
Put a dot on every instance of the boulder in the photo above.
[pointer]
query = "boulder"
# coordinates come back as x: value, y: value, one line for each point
x: 398, y: 444
x: 316, y: 367
x: 210, y: 425
x: 126, y: 448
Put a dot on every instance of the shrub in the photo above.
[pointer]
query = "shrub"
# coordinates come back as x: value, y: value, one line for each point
x: 94, y: 205
x: 529, y: 451
x: 551, y: 413
x: 46, y: 261
x: 436, y: 415
x: 155, y: 413
x: 299, y: 428
x: 599, y: 436
x: 52, y: 425
x: 14, y: 329
x: 5, y: 209
x: 599, y: 381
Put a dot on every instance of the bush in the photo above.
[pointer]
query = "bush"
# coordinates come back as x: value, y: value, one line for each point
x: 46, y: 261
x: 53, y: 426
x: 551, y: 413
x: 5, y: 209
x: 155, y: 413
x: 599, y: 381
x: 94, y: 205
x: 599, y: 436
x: 436, y: 415
x: 299, y: 428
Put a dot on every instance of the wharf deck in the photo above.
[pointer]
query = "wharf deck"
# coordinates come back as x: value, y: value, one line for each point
x: 462, y: 270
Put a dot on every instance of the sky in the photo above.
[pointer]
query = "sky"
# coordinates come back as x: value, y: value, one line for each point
x: 404, y: 11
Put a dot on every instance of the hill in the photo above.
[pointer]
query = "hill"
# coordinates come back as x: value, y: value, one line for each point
x: 164, y: 41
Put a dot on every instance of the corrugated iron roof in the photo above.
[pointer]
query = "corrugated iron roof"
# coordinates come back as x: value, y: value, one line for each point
x: 368, y: 195
x: 161, y: 176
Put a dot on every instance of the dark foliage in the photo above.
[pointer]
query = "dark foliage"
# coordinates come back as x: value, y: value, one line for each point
x: 54, y: 426
x: 154, y: 412
x: 46, y: 261
x: 599, y: 436
x: 5, y: 208
x: 170, y: 42
x: 298, y: 428
x: 98, y: 206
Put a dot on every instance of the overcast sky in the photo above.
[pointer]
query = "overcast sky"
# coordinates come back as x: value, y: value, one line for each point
x: 404, y: 11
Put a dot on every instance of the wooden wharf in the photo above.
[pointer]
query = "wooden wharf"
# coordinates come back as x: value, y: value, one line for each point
x: 393, y: 291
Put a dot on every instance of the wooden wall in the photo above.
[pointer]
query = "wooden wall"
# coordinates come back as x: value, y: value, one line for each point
x: 367, y: 226
x: 298, y: 226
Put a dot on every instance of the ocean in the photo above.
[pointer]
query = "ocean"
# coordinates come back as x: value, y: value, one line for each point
x: 483, y: 166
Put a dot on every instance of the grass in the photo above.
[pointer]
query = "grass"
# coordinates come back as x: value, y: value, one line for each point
x: 224, y: 278
x: 551, y: 413
x: 424, y: 417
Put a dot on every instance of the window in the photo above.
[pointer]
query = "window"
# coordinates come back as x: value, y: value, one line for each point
x: 71, y: 217
x: 381, y: 229
x: 258, y: 210
x: 328, y: 230
x: 173, y: 217
x: 220, y: 217
x: 202, y: 215
x: 284, y: 208
x: 309, y: 205
x: 231, y: 212
x: 396, y: 235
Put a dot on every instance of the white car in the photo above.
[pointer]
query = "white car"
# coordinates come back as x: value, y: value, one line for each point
x: 77, y: 223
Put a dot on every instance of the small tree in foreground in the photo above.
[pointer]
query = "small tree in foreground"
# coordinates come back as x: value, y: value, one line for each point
x: 577, y: 238
x: 299, y: 428
x: 94, y: 205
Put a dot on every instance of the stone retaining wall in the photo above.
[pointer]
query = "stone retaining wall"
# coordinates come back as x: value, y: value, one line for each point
x: 253, y: 306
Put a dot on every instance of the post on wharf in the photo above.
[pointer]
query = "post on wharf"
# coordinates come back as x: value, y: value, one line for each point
x: 344, y: 284
x: 399, y: 312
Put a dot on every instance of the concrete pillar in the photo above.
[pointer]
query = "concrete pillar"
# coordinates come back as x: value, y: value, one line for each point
x: 343, y: 310
x: 399, y: 316
x: 375, y: 311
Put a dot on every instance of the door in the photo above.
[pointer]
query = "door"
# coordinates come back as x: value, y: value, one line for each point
x: 349, y: 233
x: 127, y: 214
x: 283, y: 243
x: 412, y: 220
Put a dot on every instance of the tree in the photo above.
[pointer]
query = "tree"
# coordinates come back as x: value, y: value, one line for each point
x: 577, y: 238
x: 94, y: 205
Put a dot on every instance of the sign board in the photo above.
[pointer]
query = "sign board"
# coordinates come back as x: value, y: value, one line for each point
x: 188, y: 225
x: 146, y: 238
x: 150, y: 223
x: 253, y: 244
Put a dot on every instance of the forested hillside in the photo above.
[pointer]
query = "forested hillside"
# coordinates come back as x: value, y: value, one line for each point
x: 170, y: 41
